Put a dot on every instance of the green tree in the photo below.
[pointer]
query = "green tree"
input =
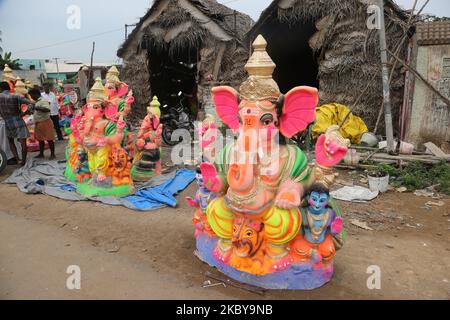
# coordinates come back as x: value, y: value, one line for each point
x: 7, y: 59
x: 1, y: 49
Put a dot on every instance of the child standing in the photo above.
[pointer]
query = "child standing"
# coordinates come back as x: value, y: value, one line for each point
x: 43, y: 130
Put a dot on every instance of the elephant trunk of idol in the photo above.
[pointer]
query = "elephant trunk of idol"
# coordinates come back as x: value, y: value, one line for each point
x: 241, y: 174
x: 240, y: 177
x: 88, y: 126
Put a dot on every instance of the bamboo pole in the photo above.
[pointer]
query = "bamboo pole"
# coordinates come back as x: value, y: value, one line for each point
x: 397, y: 51
x: 90, y: 69
x: 392, y: 61
x: 386, y: 87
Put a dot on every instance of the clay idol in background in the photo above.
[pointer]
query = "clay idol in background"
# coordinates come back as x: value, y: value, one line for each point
x: 147, y: 162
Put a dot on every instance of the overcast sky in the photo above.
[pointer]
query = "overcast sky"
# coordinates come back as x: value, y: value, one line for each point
x: 29, y: 25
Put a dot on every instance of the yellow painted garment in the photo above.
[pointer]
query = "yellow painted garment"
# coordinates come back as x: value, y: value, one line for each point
x: 333, y: 114
x: 98, y: 160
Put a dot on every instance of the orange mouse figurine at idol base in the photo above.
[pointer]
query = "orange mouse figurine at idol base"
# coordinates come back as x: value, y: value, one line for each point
x: 260, y: 228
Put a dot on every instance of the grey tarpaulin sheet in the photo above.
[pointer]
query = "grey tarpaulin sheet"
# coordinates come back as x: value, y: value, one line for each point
x: 47, y: 177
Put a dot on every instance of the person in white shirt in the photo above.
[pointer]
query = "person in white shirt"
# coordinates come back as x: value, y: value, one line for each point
x: 54, y: 109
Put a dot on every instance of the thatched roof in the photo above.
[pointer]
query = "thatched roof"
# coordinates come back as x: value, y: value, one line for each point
x: 171, y: 27
x: 287, y: 10
x: 188, y: 22
x: 348, y: 52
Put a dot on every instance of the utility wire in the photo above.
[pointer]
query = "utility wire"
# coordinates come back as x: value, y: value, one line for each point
x: 230, y: 1
x: 70, y: 41
x: 86, y: 37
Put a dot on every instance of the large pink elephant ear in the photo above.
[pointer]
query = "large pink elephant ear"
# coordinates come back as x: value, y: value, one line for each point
x: 227, y: 108
x: 122, y: 90
x: 298, y: 110
x: 111, y: 111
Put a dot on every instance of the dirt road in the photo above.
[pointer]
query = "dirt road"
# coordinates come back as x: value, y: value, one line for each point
x: 123, y: 254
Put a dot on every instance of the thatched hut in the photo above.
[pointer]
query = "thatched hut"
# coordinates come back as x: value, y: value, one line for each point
x: 327, y: 44
x: 185, y: 45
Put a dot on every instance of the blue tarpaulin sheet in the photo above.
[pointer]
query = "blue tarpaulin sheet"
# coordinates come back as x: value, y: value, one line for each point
x: 162, y: 195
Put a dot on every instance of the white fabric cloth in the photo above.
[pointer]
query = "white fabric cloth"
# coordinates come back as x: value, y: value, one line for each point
x: 354, y: 194
x: 4, y: 144
x: 54, y: 106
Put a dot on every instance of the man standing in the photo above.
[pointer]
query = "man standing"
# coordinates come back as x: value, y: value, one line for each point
x: 43, y: 126
x: 54, y: 109
x: 11, y: 113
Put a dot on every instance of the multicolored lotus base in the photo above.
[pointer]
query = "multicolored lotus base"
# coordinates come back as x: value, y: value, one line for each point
x: 300, y: 276
x: 89, y: 190
x: 70, y: 175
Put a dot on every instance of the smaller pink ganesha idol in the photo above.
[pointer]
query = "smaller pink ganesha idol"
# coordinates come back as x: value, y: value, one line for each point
x: 271, y: 222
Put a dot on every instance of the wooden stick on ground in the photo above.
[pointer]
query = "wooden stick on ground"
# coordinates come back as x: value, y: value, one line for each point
x: 385, y: 156
x: 234, y: 283
x: 371, y: 155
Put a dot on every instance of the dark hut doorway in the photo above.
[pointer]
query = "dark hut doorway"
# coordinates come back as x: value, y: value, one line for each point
x: 171, y: 73
x: 289, y: 48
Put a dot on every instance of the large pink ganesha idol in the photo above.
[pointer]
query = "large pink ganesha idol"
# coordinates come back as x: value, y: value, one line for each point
x: 103, y: 166
x: 258, y: 233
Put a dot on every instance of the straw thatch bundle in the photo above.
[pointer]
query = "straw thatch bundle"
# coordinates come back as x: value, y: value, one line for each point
x: 173, y: 26
x: 348, y: 52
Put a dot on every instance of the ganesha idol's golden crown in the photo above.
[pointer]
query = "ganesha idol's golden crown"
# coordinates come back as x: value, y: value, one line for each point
x: 8, y: 74
x: 260, y: 84
x: 112, y: 76
x: 97, y: 93
x: 20, y: 87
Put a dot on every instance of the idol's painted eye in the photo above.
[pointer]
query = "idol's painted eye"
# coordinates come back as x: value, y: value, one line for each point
x: 266, y: 119
x: 249, y: 233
